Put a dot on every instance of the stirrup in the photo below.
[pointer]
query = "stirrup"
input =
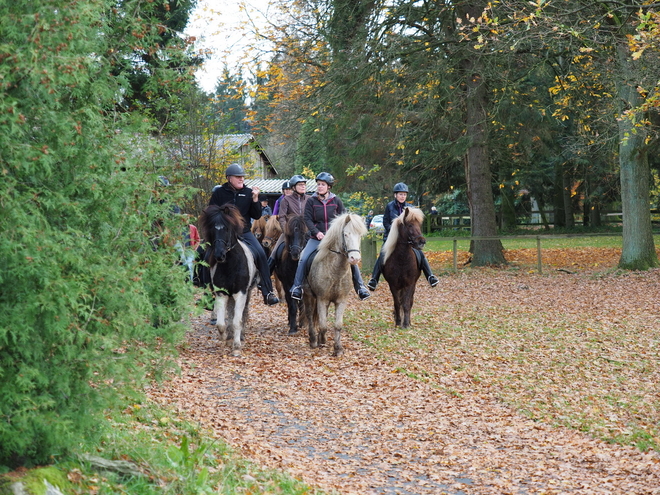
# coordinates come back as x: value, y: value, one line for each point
x: 296, y: 293
x: 271, y: 299
x: 372, y: 284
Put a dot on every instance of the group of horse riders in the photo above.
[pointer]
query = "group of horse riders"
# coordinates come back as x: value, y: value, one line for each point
x: 318, y: 210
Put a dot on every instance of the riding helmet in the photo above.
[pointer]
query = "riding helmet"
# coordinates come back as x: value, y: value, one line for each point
x: 400, y: 187
x: 286, y: 185
x: 236, y: 170
x: 293, y: 181
x: 326, y: 177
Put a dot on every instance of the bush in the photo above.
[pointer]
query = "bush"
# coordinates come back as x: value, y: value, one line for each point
x: 86, y: 299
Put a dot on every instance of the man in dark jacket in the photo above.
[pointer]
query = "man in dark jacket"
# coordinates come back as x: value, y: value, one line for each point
x: 247, y: 201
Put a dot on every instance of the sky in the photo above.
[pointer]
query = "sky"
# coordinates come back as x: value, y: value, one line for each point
x: 220, y: 27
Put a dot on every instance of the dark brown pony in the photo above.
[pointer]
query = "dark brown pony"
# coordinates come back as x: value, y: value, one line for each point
x: 295, y: 239
x: 400, y: 266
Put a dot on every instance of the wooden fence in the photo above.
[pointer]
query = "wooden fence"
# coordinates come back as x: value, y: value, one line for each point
x: 370, y: 252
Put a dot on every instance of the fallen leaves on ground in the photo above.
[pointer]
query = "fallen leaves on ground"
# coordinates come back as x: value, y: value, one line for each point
x: 503, y: 384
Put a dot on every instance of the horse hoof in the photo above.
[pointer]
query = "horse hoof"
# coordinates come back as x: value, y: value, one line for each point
x: 236, y: 353
x: 293, y: 332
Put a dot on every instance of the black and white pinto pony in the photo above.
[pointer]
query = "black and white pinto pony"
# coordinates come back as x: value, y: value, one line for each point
x: 233, y: 270
x: 329, y: 279
x: 400, y: 265
x: 295, y: 239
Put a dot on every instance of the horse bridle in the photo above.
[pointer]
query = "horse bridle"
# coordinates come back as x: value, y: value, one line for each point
x: 268, y: 238
x: 224, y: 242
x: 344, y: 251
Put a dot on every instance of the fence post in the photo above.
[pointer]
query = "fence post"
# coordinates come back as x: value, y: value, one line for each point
x: 455, y: 256
x: 369, y: 252
x: 538, y: 254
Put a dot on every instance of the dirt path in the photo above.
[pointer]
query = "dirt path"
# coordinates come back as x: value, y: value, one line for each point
x: 356, y: 425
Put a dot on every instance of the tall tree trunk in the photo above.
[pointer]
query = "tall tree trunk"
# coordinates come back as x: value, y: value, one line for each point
x: 477, y: 169
x: 638, y: 248
x: 559, y: 210
x: 569, y: 220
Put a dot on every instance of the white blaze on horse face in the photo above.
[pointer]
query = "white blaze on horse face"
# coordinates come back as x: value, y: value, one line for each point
x: 352, y: 243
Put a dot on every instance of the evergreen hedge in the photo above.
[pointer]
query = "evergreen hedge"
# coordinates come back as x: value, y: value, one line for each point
x: 90, y: 291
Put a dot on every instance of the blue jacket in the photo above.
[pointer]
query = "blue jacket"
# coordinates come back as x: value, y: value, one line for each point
x: 392, y: 210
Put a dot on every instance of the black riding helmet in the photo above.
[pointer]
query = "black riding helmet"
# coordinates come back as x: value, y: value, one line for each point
x: 327, y: 178
x: 293, y: 181
x: 286, y: 185
x: 236, y: 170
x: 400, y: 187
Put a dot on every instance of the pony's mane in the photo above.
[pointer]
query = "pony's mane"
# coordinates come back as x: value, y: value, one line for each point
x: 415, y: 215
x: 227, y: 214
x: 333, y: 236
x: 293, y: 222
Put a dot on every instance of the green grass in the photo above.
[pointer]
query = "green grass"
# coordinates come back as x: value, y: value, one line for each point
x: 175, y: 456
x: 613, y: 240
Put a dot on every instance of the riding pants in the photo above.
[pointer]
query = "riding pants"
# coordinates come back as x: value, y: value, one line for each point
x: 260, y: 260
x: 312, y: 245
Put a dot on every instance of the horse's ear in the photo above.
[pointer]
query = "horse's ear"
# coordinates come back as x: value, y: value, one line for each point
x: 406, y: 212
x: 348, y: 219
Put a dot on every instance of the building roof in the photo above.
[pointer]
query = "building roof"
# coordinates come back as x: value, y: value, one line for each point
x: 237, y: 141
x: 274, y: 186
x: 234, y: 140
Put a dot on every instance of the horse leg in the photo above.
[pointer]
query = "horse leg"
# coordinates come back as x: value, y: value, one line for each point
x: 339, y: 323
x: 407, y: 303
x: 322, y: 309
x: 292, y: 308
x: 220, y: 310
x: 312, y: 320
x: 396, y: 297
x: 240, y: 300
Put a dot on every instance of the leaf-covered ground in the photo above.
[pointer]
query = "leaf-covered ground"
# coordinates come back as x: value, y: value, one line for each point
x: 507, y: 382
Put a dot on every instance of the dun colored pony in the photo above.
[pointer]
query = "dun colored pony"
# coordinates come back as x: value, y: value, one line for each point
x: 400, y: 266
x: 329, y: 279
x: 272, y: 231
x: 259, y: 229
x: 233, y: 270
x: 295, y: 238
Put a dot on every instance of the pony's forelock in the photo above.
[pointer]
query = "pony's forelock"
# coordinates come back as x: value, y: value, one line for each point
x: 213, y: 214
x: 295, y: 221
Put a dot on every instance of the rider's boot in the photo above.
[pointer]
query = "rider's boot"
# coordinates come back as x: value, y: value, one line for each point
x: 358, y: 284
